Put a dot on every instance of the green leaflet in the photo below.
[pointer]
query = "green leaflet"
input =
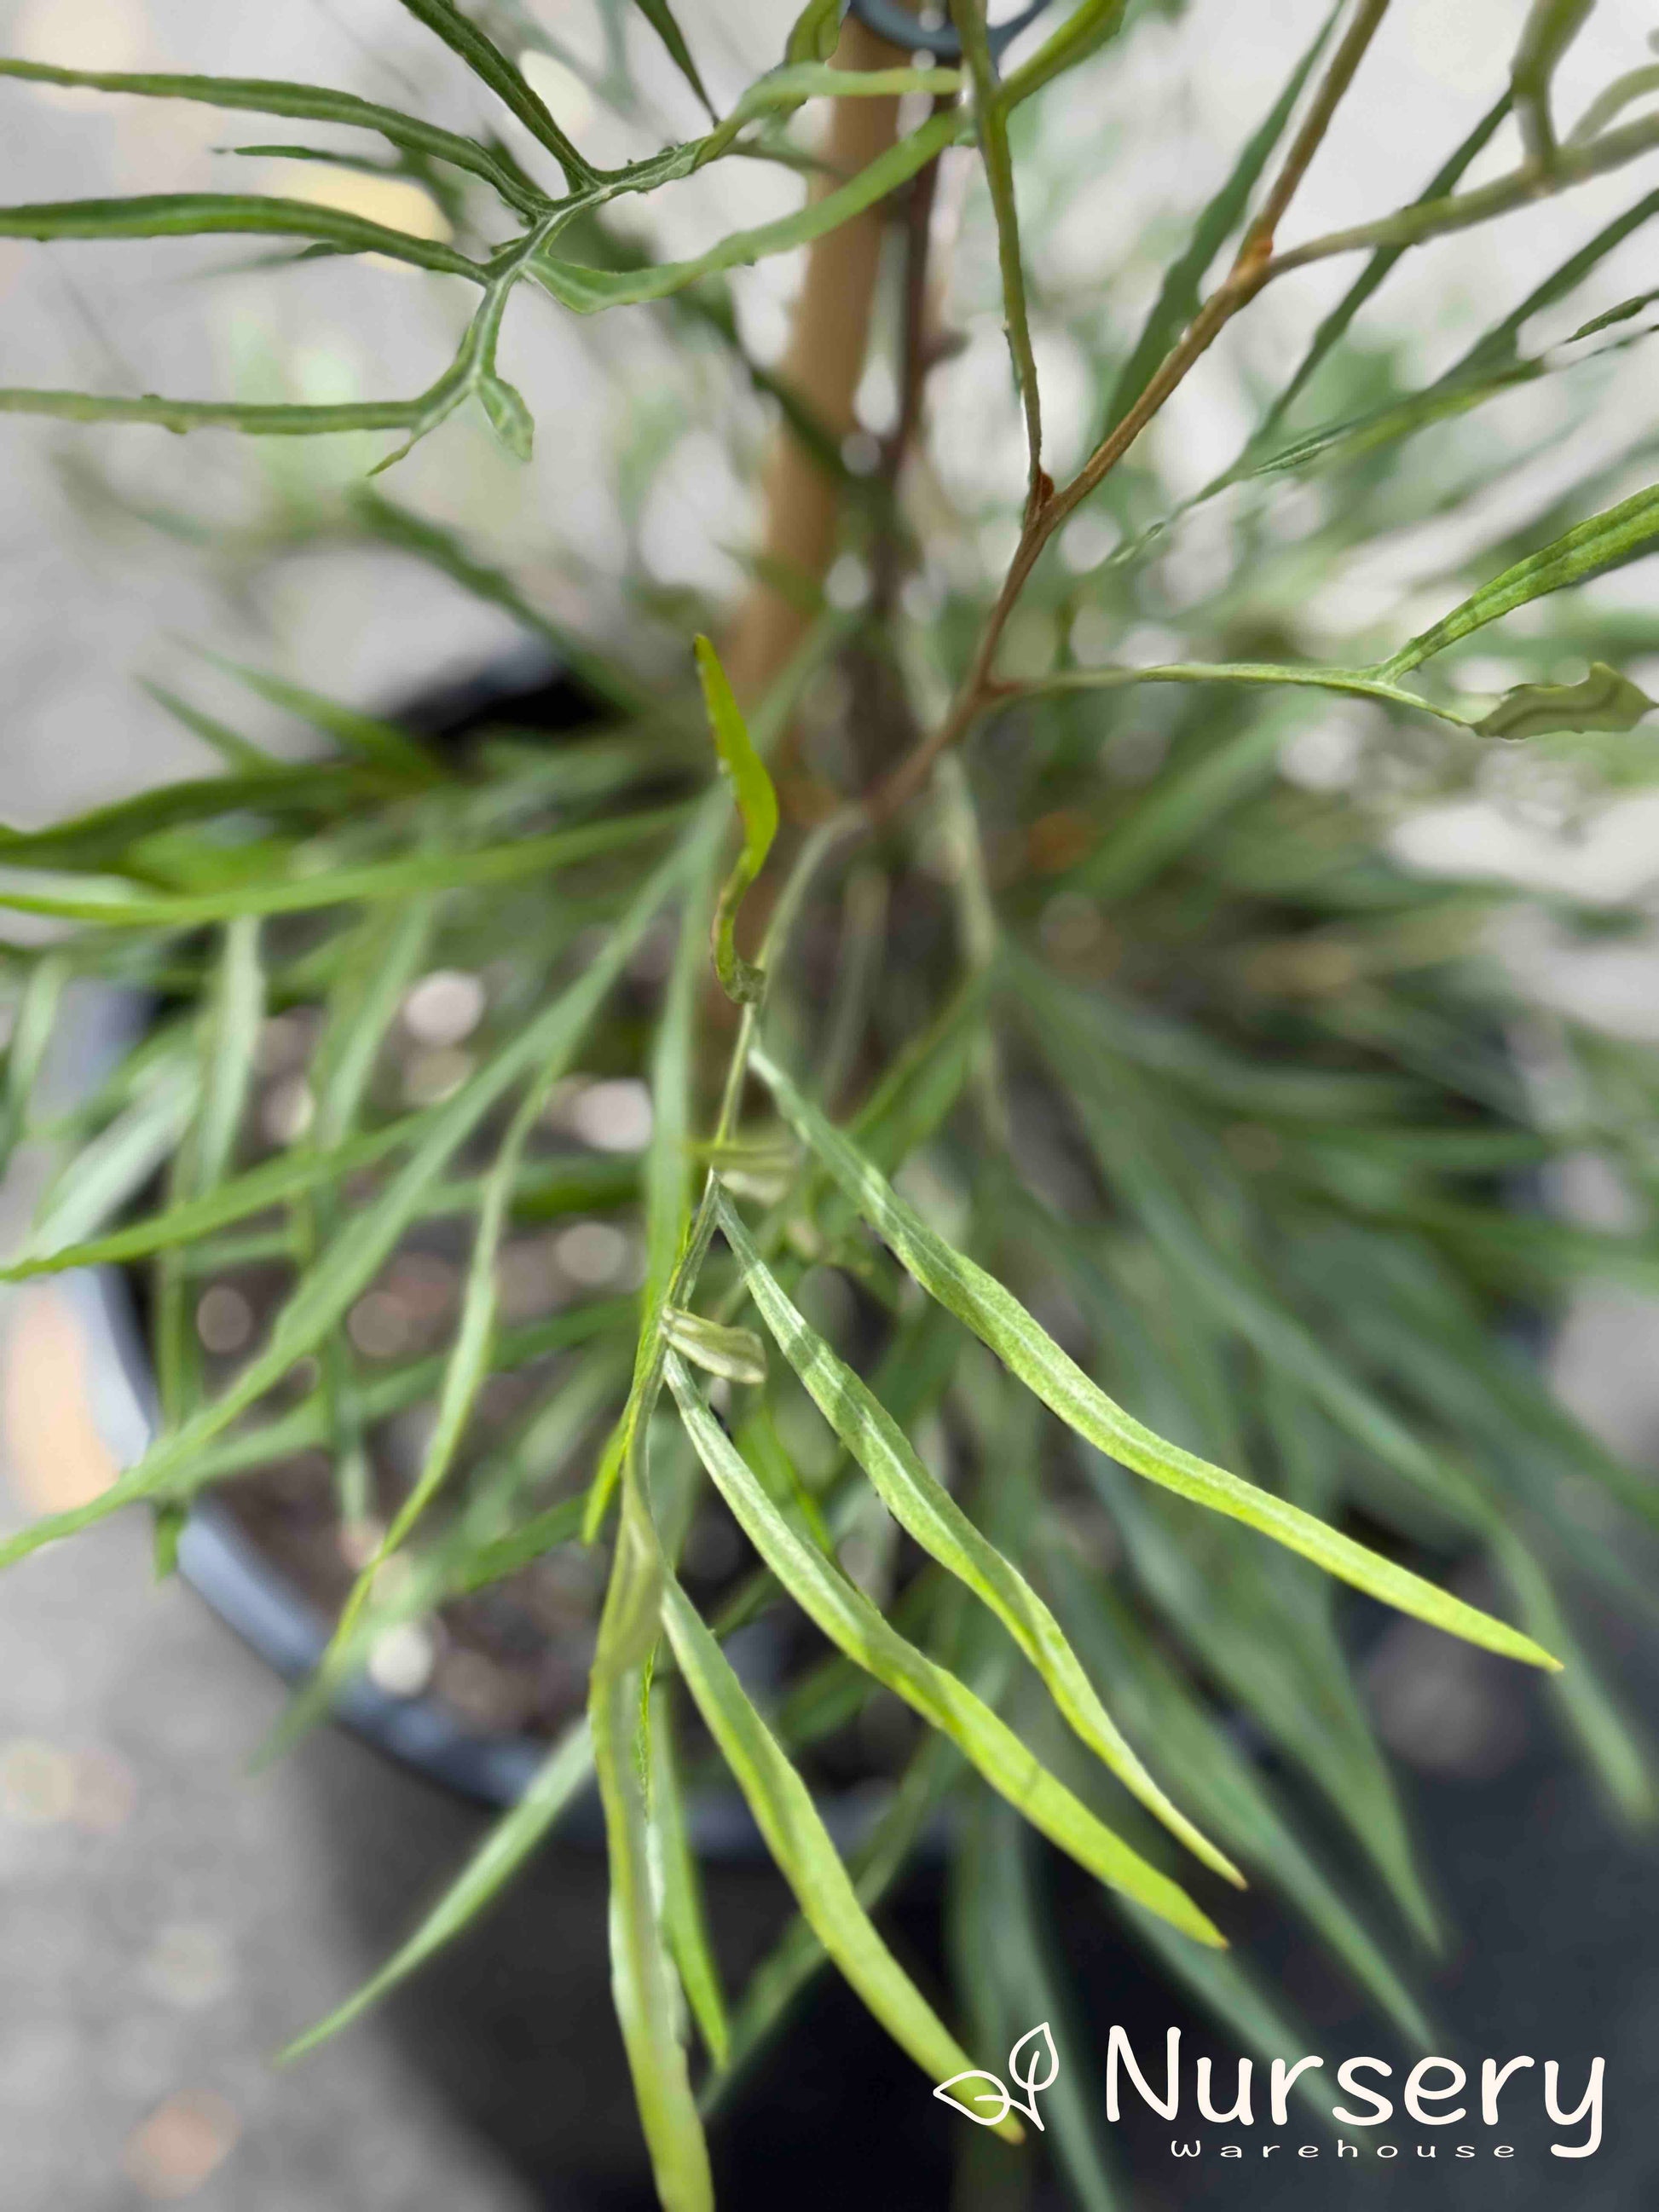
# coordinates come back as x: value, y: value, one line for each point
x: 515, y: 1836
x: 239, y: 1010
x: 253, y: 1194
x: 996, y: 1316
x: 105, y: 833
x: 684, y: 1916
x: 783, y: 1810
x: 1604, y: 700
x: 757, y: 809
x: 365, y: 1242
x: 667, y: 1165
x: 921, y: 1504
x: 310, y: 103
x: 991, y: 122
x: 642, y: 1974
x: 105, y: 1172
x: 1178, y: 300
x: 487, y: 61
x: 849, y: 1621
x: 117, y: 905
x: 781, y: 1977
x: 1620, y: 533
x: 381, y: 742
x: 201, y: 215
x: 660, y: 17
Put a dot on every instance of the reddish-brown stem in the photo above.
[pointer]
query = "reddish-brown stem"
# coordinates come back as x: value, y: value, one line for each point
x: 1252, y: 267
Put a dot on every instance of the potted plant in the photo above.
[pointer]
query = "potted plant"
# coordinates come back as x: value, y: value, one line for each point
x: 967, y: 1097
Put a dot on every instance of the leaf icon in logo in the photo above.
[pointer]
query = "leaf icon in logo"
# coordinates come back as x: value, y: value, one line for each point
x: 994, y: 2091
x: 1040, y: 2049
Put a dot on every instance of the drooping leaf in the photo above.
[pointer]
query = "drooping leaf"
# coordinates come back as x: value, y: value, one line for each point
x: 795, y: 1835
x: 1031, y: 1353
x: 850, y: 1620
x: 921, y: 1504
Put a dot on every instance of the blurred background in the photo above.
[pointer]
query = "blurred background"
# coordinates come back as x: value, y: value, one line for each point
x: 170, y: 1919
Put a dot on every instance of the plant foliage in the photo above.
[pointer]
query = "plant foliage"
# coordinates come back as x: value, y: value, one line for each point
x: 1172, y: 1154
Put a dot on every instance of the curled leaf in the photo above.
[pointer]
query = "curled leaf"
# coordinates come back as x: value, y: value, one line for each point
x: 736, y: 1354
x: 1604, y: 700
x: 510, y: 417
x: 757, y: 808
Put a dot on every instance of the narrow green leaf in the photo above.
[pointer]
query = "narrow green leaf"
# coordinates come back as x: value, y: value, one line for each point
x: 850, y: 1621
x: 117, y: 905
x: 1024, y: 1346
x: 310, y: 103
x: 921, y: 1504
x: 272, y: 1183
x: 381, y: 743
x: 660, y: 17
x: 684, y: 1915
x: 109, y: 1171
x: 642, y: 1974
x: 758, y: 808
x: 254, y: 418
x: 566, y: 1772
x: 1604, y: 700
x: 783, y: 1808
x: 874, y: 1866
x: 1177, y: 301
x: 366, y: 1240
x: 991, y: 123
x: 237, y: 1011
x: 1621, y: 533
x: 1369, y: 280
x: 202, y: 215
x: 486, y: 61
